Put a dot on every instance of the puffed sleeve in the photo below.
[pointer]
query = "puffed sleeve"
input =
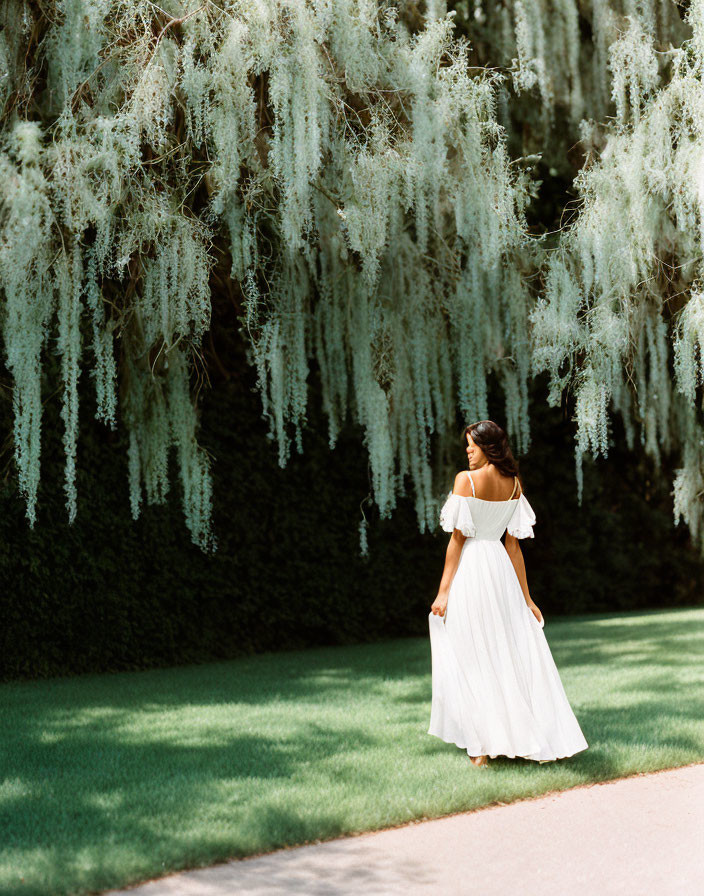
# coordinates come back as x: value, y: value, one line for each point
x: 521, y: 523
x: 455, y: 514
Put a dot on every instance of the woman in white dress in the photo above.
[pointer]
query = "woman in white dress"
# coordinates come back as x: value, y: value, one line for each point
x: 496, y: 689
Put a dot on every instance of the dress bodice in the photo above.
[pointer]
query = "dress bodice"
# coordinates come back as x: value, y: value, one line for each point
x: 487, y: 520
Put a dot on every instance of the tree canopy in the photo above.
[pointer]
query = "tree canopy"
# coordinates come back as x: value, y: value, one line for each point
x: 372, y: 173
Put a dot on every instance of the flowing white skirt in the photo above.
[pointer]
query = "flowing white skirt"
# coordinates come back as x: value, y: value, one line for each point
x: 496, y: 689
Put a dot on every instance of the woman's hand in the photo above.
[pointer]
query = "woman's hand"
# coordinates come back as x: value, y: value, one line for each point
x: 535, y: 610
x: 440, y: 604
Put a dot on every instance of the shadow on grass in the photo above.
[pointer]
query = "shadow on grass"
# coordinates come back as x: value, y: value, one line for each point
x: 111, y: 778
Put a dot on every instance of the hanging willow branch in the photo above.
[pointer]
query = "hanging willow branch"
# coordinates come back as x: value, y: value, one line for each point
x: 344, y: 157
x: 354, y: 158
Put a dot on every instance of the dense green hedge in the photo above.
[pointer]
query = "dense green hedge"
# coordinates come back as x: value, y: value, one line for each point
x: 108, y: 593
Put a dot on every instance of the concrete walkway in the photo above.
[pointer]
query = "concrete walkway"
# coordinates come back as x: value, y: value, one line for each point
x: 630, y: 837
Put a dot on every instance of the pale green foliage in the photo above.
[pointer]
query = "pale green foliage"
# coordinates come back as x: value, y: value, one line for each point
x: 104, y: 372
x: 542, y: 42
x: 27, y: 275
x: 635, y: 70
x: 623, y: 289
x: 297, y: 88
x: 68, y: 274
x: 376, y: 225
x: 98, y: 182
x: 73, y: 45
x: 688, y: 343
x: 382, y: 310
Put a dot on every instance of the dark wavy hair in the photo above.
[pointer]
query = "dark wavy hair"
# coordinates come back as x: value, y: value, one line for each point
x: 493, y: 441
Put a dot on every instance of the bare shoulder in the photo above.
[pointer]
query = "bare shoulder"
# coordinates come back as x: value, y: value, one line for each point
x: 516, y: 489
x: 462, y: 486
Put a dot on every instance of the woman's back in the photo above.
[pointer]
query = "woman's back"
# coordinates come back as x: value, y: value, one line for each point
x: 488, y: 484
x: 481, y: 519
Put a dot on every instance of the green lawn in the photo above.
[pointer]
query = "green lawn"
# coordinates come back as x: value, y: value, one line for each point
x: 112, y: 779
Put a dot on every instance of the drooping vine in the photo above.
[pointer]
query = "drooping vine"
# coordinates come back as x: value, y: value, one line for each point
x: 621, y: 315
x: 374, y: 217
x: 354, y: 155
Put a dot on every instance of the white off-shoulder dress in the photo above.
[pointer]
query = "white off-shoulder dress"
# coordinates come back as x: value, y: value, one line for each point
x: 496, y: 689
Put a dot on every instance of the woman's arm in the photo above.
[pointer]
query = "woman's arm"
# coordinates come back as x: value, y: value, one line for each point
x: 513, y: 549
x: 452, y: 558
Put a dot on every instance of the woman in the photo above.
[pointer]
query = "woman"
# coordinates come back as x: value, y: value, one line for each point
x: 496, y: 689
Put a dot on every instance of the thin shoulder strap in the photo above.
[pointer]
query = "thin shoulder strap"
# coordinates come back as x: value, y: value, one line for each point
x: 472, y: 482
x: 515, y: 483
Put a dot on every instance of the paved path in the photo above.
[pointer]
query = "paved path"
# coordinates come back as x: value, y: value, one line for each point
x: 630, y: 837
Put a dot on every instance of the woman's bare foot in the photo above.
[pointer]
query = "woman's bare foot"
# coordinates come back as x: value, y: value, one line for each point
x: 479, y: 761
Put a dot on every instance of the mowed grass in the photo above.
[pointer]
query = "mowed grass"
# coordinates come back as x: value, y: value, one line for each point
x: 108, y: 780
